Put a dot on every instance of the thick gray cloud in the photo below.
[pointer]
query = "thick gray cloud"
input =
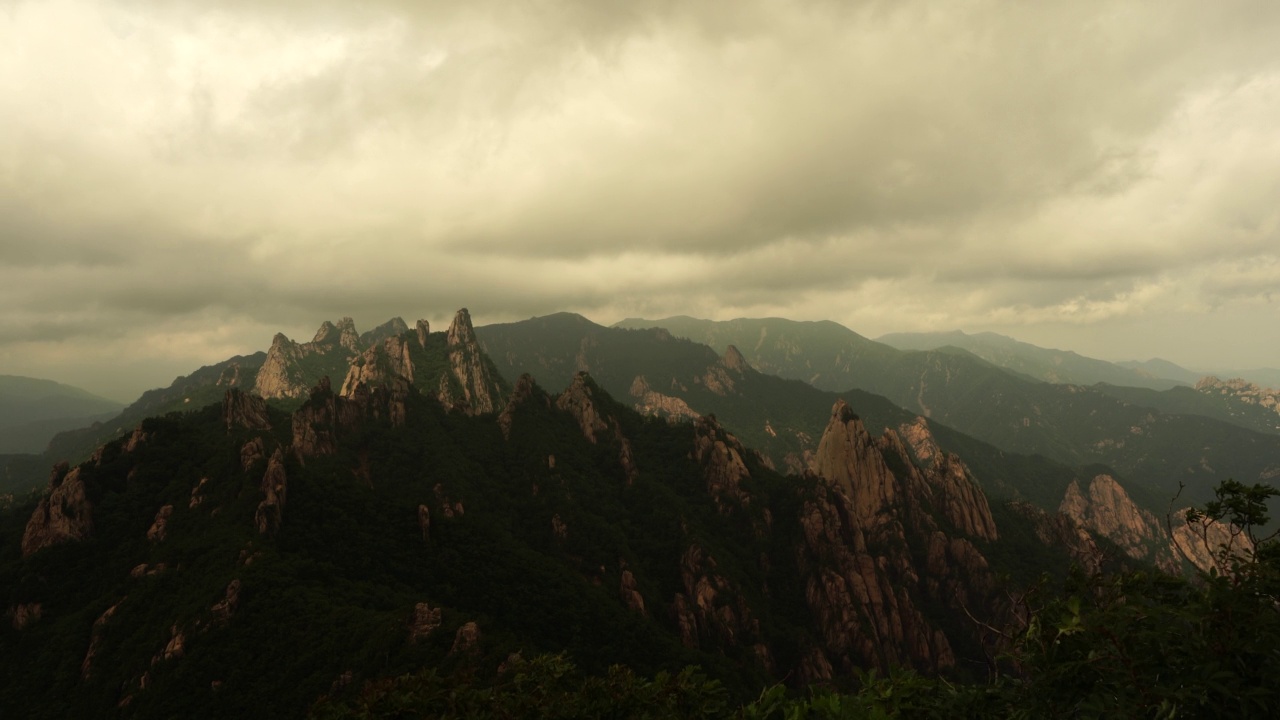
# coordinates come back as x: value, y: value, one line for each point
x: 177, y: 183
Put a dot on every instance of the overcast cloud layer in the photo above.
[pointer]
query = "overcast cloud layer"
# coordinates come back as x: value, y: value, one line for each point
x: 177, y: 184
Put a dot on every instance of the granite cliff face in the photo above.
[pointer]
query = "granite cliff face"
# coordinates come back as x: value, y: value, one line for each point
x: 63, y: 515
x: 866, y: 584
x: 474, y: 386
x: 287, y: 369
x: 579, y: 401
x: 1105, y: 509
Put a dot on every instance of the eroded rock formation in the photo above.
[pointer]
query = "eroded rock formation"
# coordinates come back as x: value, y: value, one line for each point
x: 1105, y: 509
x: 240, y: 409
x: 274, y: 488
x: 579, y: 401
x: 477, y: 384
x: 63, y: 515
x: 864, y: 586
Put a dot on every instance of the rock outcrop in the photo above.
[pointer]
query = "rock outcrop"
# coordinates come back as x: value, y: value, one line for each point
x: 423, y: 622
x: 240, y: 409
x: 386, y: 364
x: 629, y: 592
x: 471, y: 384
x: 579, y: 400
x: 1060, y: 531
x: 274, y: 489
x: 652, y: 402
x: 159, y: 527
x: 63, y: 515
x: 864, y: 585
x: 720, y: 456
x: 1208, y: 544
x: 326, y: 417
x: 1241, y: 390
x: 1105, y: 509
x: 467, y: 640
x: 95, y: 640
x: 394, y: 327
x: 285, y: 373
x: 711, y: 609
x: 226, y: 607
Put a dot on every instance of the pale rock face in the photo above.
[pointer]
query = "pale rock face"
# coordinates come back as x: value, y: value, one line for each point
x: 652, y: 402
x: 860, y: 576
x: 273, y: 377
x: 347, y: 335
x: 479, y: 386
x: 847, y: 457
x: 1208, y: 544
x: 1242, y: 390
x: 63, y: 515
x: 1104, y: 508
x: 279, y: 376
x: 424, y: 331
x: 384, y: 365
x: 955, y: 493
x: 917, y: 436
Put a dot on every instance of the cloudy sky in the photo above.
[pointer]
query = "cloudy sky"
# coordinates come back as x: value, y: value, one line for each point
x: 180, y: 181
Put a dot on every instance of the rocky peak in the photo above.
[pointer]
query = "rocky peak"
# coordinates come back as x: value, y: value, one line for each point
x: 1105, y: 509
x: 523, y: 392
x: 386, y: 364
x: 241, y: 409
x: 953, y: 490
x: 1241, y: 390
x: 63, y: 515
x: 577, y: 401
x: 734, y: 360
x: 424, y: 331
x: 461, y: 332
x: 274, y: 490
x: 391, y: 328
x: 848, y: 458
x: 721, y: 457
x: 480, y: 387
x: 347, y: 335
x: 328, y: 333
x: 917, y: 436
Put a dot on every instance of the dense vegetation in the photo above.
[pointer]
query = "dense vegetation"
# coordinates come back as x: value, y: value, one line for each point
x: 1130, y: 644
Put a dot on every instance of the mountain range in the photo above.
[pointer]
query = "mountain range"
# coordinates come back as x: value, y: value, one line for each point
x: 32, y: 411
x: 777, y: 501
